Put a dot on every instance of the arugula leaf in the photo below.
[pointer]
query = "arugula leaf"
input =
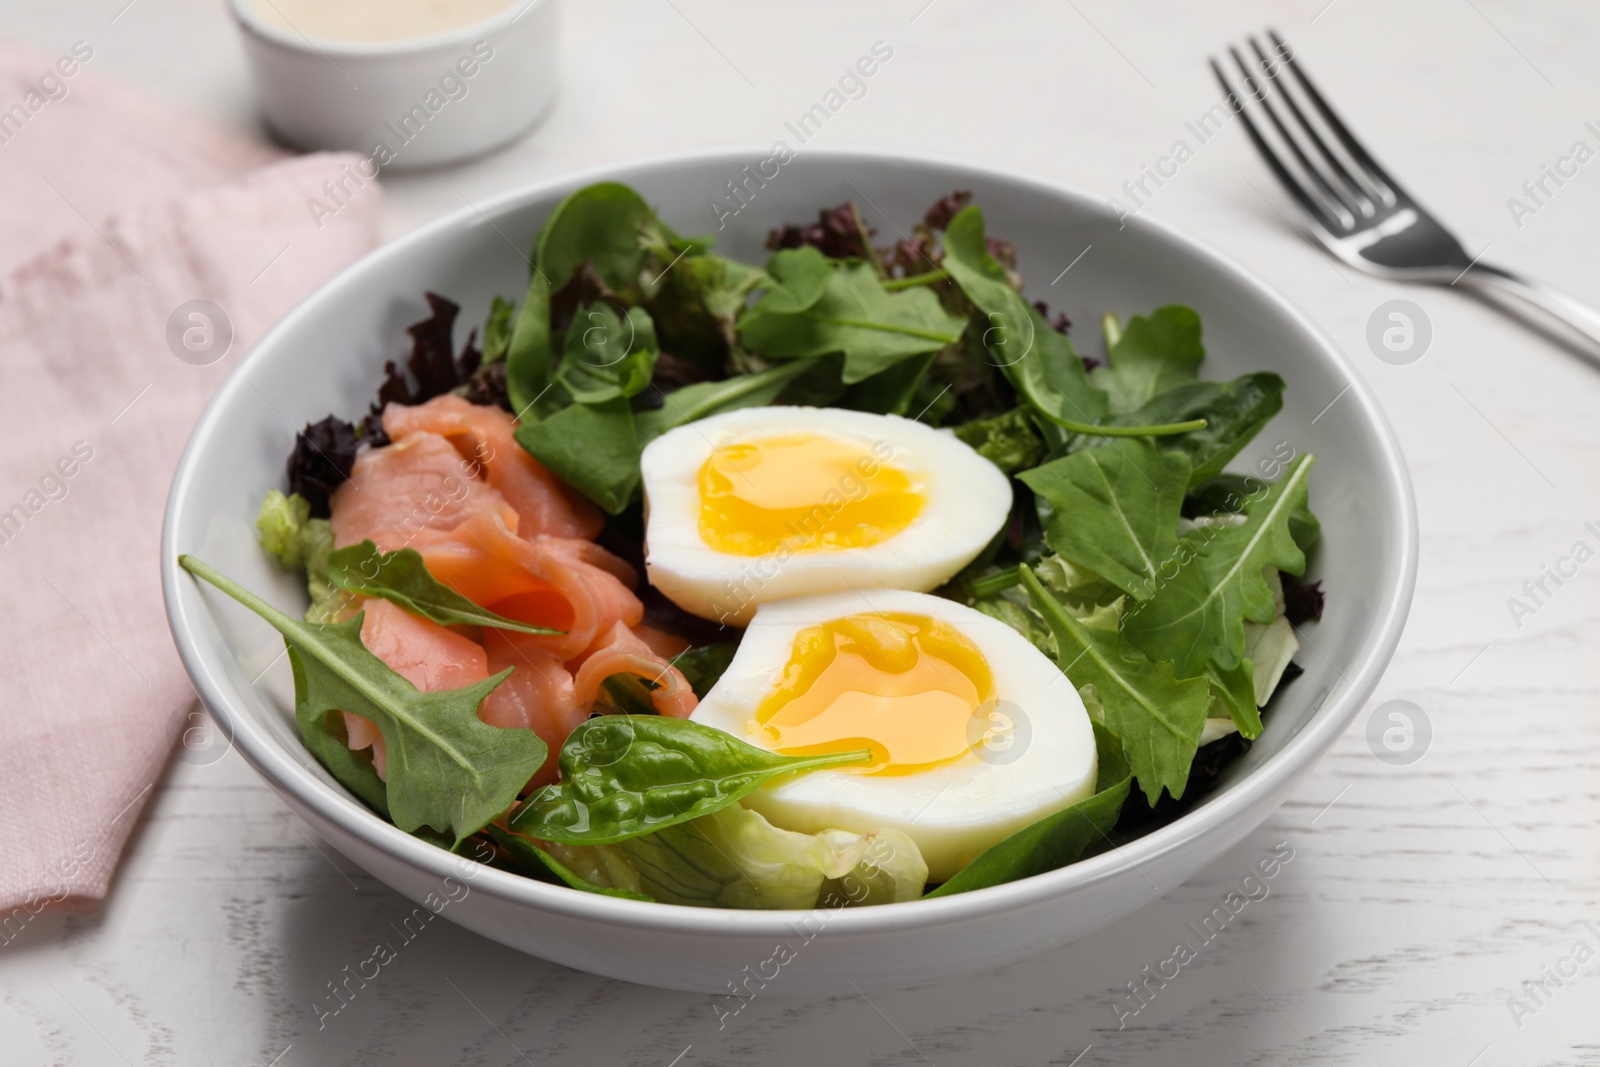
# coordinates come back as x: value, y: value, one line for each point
x: 447, y: 769
x: 702, y: 667
x: 1059, y: 838
x: 874, y: 329
x: 1227, y: 494
x: 794, y: 282
x: 497, y: 330
x: 703, y: 399
x: 1157, y: 716
x: 1009, y: 441
x: 401, y: 577
x: 627, y: 775
x: 1234, y: 412
x: 592, y: 447
x: 1151, y: 355
x: 1115, y: 510
x: 536, y: 861
x: 1200, y: 615
x: 325, y: 736
x: 607, y: 356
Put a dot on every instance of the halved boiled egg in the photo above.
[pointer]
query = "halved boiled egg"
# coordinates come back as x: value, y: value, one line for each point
x: 770, y: 502
x: 973, y: 732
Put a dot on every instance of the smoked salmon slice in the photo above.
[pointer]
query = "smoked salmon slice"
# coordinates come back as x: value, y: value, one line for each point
x: 497, y: 527
x: 425, y: 654
x: 483, y: 436
x: 620, y: 651
x: 400, y: 492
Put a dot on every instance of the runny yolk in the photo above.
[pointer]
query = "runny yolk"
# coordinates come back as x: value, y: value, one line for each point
x: 803, y: 492
x: 906, y: 687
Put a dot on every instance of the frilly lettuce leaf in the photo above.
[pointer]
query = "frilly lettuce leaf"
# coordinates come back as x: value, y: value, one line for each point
x: 734, y: 858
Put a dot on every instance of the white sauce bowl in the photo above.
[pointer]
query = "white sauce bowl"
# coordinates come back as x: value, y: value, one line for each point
x: 416, y: 102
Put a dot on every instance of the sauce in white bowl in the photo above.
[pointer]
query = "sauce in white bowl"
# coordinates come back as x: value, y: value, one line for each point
x: 407, y: 83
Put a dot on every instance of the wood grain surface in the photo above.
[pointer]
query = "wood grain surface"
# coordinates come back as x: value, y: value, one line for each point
x: 1444, y: 912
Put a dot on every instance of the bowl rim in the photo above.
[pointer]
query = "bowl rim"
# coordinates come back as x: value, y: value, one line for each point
x: 244, y: 14
x: 1338, y: 706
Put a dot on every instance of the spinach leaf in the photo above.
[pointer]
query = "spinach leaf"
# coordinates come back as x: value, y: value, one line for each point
x: 607, y: 356
x: 1199, y: 615
x: 873, y: 329
x: 1234, y: 412
x: 889, y: 392
x: 1157, y: 716
x: 627, y: 775
x: 591, y: 447
x: 530, y: 358
x: 1039, y: 362
x: 703, y: 399
x: 1151, y: 355
x: 401, y: 577
x: 601, y: 224
x: 1115, y: 510
x: 536, y: 861
x: 1009, y: 441
x: 1059, y: 838
x: 497, y: 330
x: 702, y: 667
x: 447, y: 769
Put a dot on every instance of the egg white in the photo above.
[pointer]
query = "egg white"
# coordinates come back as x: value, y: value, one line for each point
x: 955, y: 811
x: 965, y: 503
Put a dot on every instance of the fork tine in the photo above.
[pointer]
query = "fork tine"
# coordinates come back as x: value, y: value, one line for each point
x: 1344, y: 212
x: 1353, y: 192
x: 1307, y: 202
x: 1387, y: 187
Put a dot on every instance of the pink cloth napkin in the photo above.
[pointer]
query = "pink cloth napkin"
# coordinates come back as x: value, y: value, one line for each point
x: 116, y: 212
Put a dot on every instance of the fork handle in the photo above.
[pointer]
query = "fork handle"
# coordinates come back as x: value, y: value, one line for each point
x: 1576, y: 314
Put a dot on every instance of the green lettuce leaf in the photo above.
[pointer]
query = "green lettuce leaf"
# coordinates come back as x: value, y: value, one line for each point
x: 447, y: 769
x: 734, y: 858
x: 1009, y: 441
x: 1157, y: 716
x: 1059, y: 838
x: 302, y: 543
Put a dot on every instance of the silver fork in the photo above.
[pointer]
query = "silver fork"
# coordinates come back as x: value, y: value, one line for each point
x: 1355, y: 208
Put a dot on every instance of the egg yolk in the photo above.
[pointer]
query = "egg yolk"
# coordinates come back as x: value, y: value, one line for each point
x: 804, y: 493
x: 906, y: 687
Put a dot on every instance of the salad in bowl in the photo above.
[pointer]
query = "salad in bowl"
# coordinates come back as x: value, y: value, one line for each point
x: 840, y: 579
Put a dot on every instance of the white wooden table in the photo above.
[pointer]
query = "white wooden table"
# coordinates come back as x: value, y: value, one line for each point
x: 1421, y: 898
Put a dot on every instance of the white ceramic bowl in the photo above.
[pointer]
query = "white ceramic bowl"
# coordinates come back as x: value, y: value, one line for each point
x: 409, y: 103
x: 327, y: 354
